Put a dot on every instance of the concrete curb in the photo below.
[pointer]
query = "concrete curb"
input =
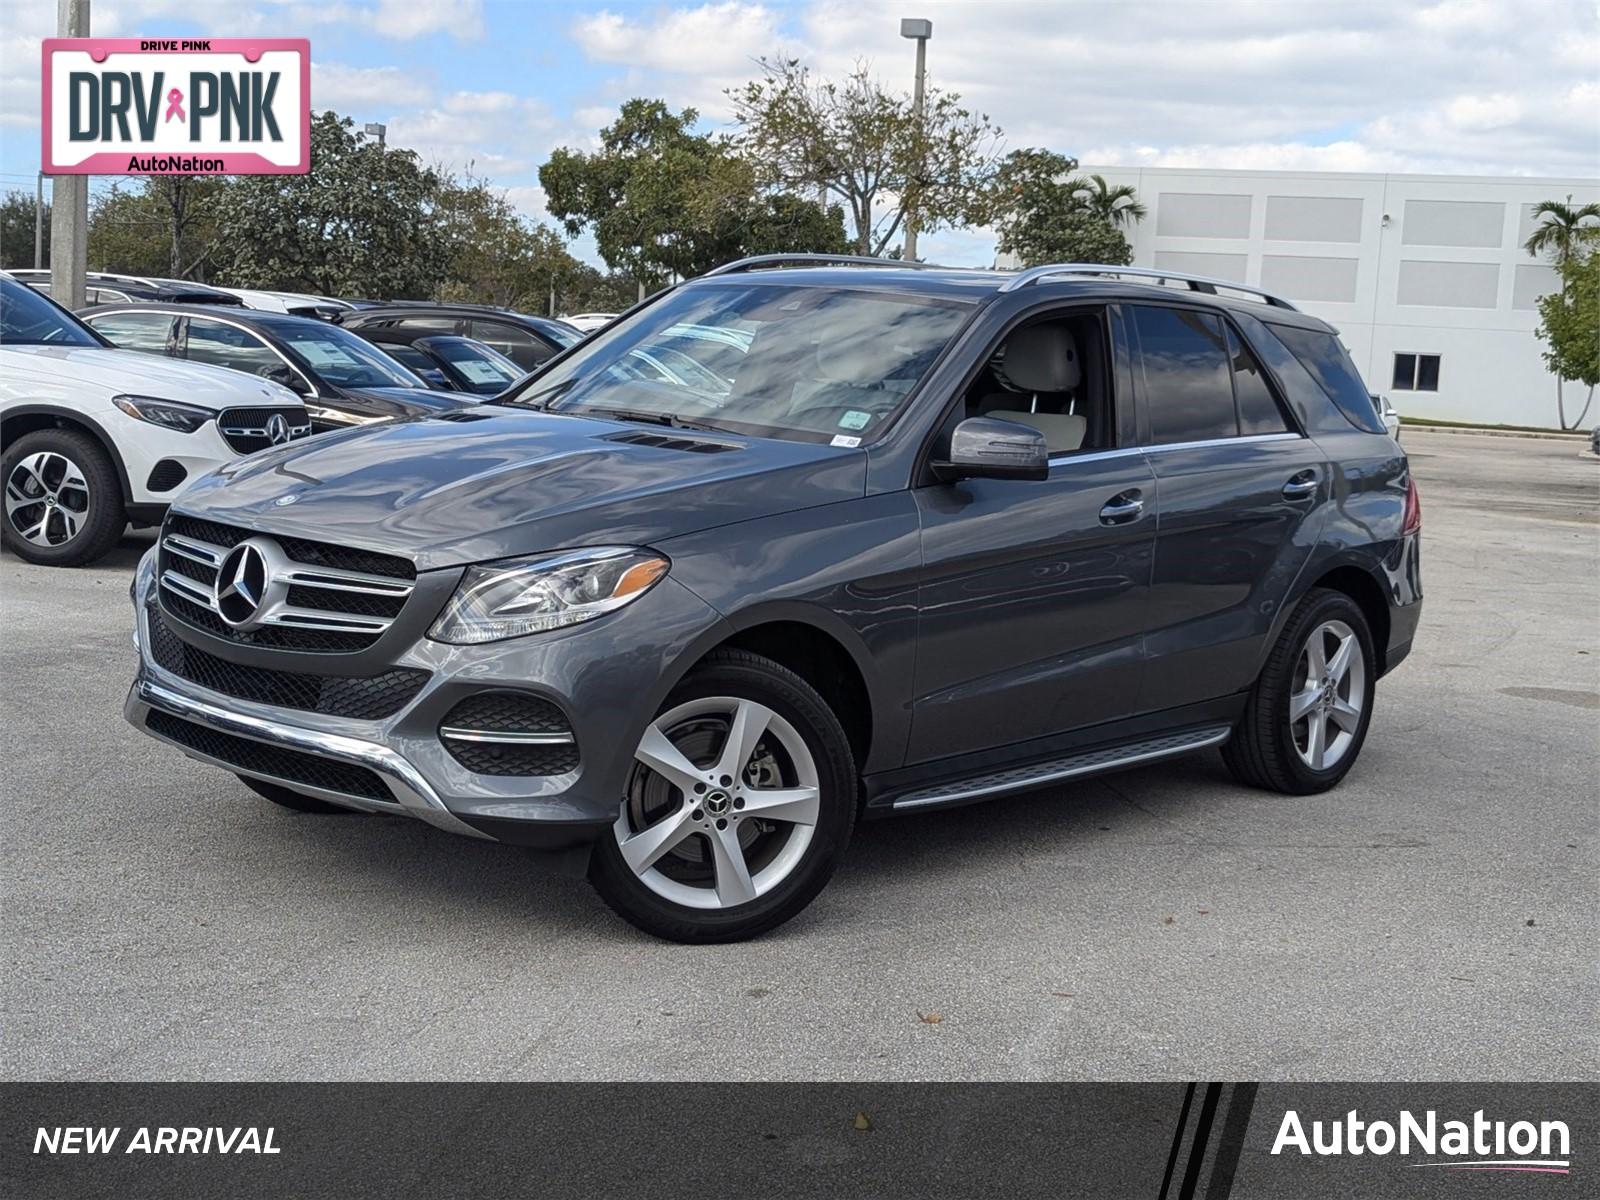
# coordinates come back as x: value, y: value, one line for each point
x: 1407, y: 430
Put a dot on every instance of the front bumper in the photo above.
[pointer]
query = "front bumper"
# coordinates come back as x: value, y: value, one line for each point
x: 608, y: 678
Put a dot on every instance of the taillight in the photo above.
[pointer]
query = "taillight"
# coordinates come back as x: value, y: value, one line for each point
x: 1412, y: 520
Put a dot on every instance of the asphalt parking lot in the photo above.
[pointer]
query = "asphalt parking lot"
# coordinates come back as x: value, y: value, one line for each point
x: 1433, y: 918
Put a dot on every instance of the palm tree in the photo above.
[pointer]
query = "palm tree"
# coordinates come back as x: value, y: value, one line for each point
x: 1561, y: 234
x: 1114, y: 205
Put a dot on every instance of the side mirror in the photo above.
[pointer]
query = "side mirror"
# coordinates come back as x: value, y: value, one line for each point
x: 992, y: 448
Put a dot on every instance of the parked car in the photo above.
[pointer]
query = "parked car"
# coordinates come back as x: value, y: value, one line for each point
x: 527, y: 341
x: 344, y: 380
x: 298, y: 303
x: 589, y: 322
x: 105, y: 288
x: 95, y: 437
x: 948, y: 536
x: 1387, y: 414
x: 448, y: 362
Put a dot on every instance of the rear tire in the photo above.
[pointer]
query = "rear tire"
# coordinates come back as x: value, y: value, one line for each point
x: 63, y: 503
x: 1307, y: 716
x: 289, y: 798
x: 741, y: 802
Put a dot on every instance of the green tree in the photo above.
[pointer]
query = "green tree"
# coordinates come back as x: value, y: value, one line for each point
x: 1562, y: 230
x: 586, y: 289
x: 497, y: 255
x: 1563, y: 233
x: 1118, y: 205
x: 863, y: 144
x: 661, y: 199
x: 16, y: 230
x: 364, y: 221
x: 1043, y: 218
x: 164, y: 225
x: 1569, y: 324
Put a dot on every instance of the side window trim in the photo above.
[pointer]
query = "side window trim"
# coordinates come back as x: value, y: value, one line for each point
x: 248, y: 332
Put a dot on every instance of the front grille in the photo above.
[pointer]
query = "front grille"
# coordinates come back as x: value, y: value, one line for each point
x: 247, y: 430
x: 509, y: 716
x: 366, y: 698
x: 291, y: 766
x: 320, y: 597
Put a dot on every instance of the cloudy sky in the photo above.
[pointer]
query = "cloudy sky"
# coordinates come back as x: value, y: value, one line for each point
x: 1458, y: 86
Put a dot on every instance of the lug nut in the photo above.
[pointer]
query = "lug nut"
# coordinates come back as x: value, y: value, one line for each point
x: 698, y: 815
x: 738, y: 801
x: 722, y: 822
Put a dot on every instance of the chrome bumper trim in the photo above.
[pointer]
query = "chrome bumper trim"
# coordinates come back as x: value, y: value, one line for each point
x: 412, y: 794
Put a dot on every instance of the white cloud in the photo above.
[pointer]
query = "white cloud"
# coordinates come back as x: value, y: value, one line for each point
x: 357, y: 90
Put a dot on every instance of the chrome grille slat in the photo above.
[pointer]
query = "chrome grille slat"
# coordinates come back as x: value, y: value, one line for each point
x: 311, y: 618
x: 191, y: 590
x: 350, y: 604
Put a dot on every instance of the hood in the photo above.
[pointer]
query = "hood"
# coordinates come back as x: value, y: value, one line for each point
x: 399, y: 402
x: 496, y: 482
x: 130, y: 371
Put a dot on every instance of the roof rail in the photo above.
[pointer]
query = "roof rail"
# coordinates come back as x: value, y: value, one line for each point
x: 760, y: 262
x: 1197, y: 283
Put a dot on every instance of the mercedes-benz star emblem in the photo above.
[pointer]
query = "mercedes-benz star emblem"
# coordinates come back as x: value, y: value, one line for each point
x: 277, y: 429
x: 241, y: 585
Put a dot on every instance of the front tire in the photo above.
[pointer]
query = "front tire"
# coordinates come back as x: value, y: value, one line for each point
x: 63, y: 501
x: 1307, y: 715
x: 741, y: 801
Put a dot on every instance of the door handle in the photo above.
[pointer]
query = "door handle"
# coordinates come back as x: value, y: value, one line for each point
x: 1300, y: 486
x: 1123, y: 507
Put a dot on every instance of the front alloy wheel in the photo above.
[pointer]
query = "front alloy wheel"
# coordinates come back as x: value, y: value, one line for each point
x: 740, y: 800
x: 63, y: 499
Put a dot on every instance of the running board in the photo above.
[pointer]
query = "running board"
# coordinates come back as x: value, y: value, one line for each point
x: 1069, y: 766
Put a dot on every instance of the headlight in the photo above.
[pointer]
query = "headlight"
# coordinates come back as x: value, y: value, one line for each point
x: 509, y: 599
x: 185, y: 418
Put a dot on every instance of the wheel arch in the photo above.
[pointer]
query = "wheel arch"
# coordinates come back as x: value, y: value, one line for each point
x: 22, y: 419
x: 1354, y: 578
x: 817, y: 646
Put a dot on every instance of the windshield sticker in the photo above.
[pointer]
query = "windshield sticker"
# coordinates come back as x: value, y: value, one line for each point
x: 481, y: 372
x: 840, y: 439
x: 325, y: 354
x: 854, y: 419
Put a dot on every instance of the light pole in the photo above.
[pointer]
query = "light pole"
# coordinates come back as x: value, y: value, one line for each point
x: 69, y: 195
x: 374, y: 129
x: 919, y: 31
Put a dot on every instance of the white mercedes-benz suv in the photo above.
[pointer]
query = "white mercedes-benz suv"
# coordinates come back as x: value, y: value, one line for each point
x: 92, y: 437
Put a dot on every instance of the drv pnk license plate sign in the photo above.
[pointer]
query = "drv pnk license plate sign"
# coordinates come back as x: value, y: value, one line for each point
x: 170, y: 106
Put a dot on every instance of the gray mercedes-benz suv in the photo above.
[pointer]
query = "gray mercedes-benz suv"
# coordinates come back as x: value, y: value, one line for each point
x: 796, y: 543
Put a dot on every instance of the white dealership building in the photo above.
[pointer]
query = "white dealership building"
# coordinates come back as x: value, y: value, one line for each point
x: 1424, y: 275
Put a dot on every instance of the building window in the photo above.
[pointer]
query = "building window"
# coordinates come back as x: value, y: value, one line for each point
x: 1416, y: 373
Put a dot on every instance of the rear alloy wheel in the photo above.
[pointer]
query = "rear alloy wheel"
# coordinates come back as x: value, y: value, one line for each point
x: 1307, y: 715
x: 63, y: 504
x: 740, y: 801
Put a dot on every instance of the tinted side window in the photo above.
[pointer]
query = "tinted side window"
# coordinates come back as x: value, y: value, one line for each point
x: 520, y: 346
x: 1259, y: 411
x: 146, y: 332
x: 229, y: 346
x: 1186, y: 376
x: 1324, y: 356
x: 424, y: 326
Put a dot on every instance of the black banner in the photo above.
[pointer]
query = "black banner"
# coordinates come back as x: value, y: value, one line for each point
x: 1172, y: 1141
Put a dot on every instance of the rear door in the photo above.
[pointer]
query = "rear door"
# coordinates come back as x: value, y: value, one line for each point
x: 1239, y: 490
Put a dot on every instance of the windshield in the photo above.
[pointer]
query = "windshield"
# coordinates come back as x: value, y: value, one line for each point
x: 479, y: 368
x: 28, y: 319
x: 339, y: 357
x: 806, y: 363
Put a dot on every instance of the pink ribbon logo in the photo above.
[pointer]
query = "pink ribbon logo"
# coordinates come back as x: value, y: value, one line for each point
x: 175, y: 105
